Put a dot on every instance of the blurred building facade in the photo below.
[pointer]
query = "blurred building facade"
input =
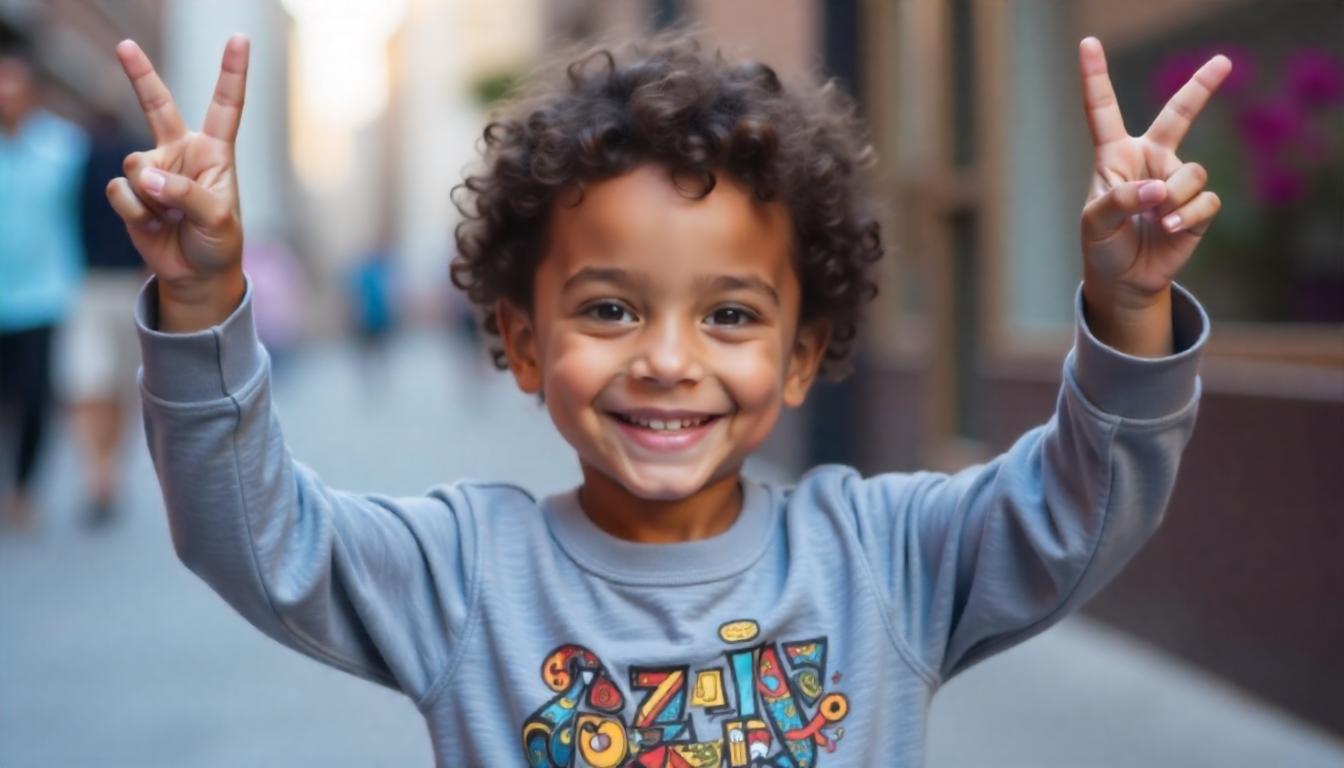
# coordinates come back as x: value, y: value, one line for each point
x: 975, y: 109
x: 72, y: 44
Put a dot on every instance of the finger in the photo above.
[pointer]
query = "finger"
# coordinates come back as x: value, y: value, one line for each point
x: 226, y: 108
x: 165, y: 123
x: 131, y: 167
x: 1103, y: 111
x: 1105, y: 214
x: 130, y: 208
x: 1195, y: 216
x: 1182, y: 186
x: 1180, y: 111
x: 201, y: 207
x: 132, y: 164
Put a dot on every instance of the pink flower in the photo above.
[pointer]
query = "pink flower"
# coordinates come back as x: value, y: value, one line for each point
x: 1276, y: 185
x: 1172, y: 73
x: 1270, y: 126
x: 1315, y: 77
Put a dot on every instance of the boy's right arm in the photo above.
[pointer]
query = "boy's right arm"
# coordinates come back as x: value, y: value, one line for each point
x: 376, y: 586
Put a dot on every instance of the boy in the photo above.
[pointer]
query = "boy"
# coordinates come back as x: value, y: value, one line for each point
x: 670, y: 248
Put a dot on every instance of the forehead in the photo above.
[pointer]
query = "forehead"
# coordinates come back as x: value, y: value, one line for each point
x: 642, y: 220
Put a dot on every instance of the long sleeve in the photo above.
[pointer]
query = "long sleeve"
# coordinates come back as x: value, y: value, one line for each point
x: 974, y: 562
x: 376, y: 586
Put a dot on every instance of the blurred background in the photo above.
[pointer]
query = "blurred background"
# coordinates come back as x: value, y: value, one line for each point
x: 1220, y: 645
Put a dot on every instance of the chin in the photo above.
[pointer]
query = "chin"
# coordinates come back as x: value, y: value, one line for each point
x: 662, y: 491
x: 664, y: 485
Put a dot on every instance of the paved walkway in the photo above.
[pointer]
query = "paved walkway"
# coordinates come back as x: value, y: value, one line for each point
x: 112, y: 654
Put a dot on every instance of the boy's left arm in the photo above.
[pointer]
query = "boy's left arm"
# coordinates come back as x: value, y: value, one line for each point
x: 971, y: 563
x: 974, y: 562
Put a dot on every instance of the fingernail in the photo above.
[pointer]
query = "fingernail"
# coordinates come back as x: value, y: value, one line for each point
x: 153, y: 225
x: 153, y: 180
x: 173, y: 214
x: 1172, y: 223
x: 1151, y: 192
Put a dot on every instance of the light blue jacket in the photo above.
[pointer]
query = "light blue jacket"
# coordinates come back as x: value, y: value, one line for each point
x: 41, y: 259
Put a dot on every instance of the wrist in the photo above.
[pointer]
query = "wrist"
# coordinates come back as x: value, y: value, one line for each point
x: 193, y: 304
x: 1124, y: 296
x: 1133, y: 322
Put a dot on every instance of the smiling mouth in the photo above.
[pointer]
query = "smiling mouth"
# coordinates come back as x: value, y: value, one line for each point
x: 665, y: 425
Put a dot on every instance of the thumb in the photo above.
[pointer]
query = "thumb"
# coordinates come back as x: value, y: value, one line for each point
x: 1106, y: 213
x: 203, y: 208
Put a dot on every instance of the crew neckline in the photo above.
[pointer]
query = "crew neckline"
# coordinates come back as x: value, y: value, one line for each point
x: 690, y: 562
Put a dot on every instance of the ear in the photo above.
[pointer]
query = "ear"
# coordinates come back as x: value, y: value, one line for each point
x: 520, y: 345
x: 809, y: 347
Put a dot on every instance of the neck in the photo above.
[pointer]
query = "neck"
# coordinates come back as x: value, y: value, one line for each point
x: 705, y: 513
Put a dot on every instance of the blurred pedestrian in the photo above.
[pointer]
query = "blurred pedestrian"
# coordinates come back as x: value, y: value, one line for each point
x: 371, y: 287
x: 277, y: 290
x: 41, y: 164
x: 98, y: 353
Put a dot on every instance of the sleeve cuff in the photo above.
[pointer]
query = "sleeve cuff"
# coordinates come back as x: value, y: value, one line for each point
x: 199, y: 366
x: 1137, y: 387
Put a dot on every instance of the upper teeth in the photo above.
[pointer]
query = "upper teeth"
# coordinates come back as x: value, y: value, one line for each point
x: 668, y: 424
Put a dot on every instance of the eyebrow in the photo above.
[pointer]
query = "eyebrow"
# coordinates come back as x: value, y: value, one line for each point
x: 743, y: 283
x: 598, y: 275
x: 716, y: 283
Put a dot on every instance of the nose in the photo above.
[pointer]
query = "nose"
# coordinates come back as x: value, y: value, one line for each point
x: 667, y: 356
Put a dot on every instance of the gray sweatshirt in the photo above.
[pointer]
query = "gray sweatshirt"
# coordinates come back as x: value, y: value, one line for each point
x: 814, y: 631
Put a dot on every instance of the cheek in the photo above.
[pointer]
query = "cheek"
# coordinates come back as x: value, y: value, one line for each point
x: 753, y: 375
x: 575, y: 372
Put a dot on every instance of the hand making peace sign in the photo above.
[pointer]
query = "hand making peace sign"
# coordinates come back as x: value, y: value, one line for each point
x: 1146, y: 210
x: 180, y: 199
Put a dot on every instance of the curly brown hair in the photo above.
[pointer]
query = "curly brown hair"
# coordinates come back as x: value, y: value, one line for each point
x: 662, y: 100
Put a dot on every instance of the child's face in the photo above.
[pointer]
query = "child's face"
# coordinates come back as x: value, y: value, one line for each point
x: 664, y: 330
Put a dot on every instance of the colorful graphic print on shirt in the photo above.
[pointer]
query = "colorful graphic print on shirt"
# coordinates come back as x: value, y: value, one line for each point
x: 766, y: 706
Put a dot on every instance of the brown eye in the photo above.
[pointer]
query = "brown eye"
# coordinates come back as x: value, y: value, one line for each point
x: 609, y: 312
x: 730, y: 316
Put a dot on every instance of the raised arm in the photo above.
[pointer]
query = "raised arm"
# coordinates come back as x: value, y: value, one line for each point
x: 976, y: 561
x: 375, y: 586
x: 973, y: 562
